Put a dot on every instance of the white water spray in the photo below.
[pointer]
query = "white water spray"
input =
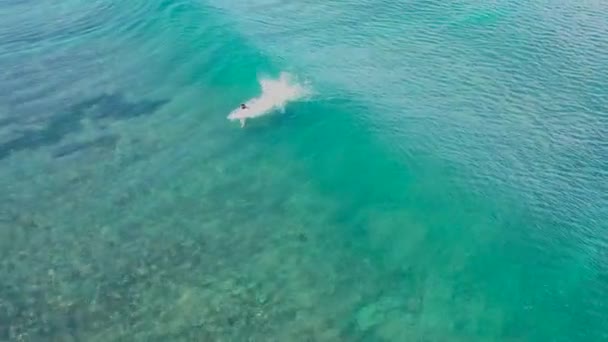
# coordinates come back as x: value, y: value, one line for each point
x: 276, y: 93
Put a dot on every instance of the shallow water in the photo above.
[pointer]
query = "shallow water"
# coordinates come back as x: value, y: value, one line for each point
x: 446, y: 181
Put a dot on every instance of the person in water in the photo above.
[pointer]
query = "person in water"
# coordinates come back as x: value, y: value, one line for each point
x: 242, y: 120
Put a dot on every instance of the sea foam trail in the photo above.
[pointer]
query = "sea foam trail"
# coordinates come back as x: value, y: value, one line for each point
x: 276, y: 93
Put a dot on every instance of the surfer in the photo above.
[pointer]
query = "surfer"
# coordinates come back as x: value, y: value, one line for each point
x: 242, y: 120
x: 275, y: 95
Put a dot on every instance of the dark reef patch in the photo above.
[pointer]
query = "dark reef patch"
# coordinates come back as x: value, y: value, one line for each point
x: 54, y: 130
x: 105, y: 141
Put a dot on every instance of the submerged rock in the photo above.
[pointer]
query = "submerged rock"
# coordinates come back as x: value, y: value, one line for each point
x: 375, y: 313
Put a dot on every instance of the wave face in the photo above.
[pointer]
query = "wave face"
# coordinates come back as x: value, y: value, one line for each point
x: 443, y: 179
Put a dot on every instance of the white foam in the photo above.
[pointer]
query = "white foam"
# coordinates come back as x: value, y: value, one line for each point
x: 276, y: 93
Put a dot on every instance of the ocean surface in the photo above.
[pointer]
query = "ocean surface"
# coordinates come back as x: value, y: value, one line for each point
x: 419, y: 170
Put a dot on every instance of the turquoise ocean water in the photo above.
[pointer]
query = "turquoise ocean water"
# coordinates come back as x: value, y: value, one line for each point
x: 446, y: 178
